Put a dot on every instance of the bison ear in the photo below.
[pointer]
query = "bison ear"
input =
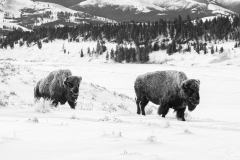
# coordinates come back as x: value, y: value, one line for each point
x: 80, y: 78
x: 65, y: 81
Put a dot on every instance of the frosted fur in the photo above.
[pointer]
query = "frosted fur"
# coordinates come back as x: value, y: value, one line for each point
x: 55, y: 87
x: 165, y: 88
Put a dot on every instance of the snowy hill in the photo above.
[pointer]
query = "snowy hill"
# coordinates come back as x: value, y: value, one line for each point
x: 151, y: 9
x: 233, y: 5
x: 29, y: 13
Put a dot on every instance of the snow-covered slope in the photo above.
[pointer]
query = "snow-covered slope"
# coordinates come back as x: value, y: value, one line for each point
x: 233, y: 5
x: 151, y: 9
x: 105, y: 124
x: 31, y: 13
x: 11, y: 26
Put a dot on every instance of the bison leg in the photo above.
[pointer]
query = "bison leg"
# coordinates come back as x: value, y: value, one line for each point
x: 138, y: 107
x: 55, y: 103
x: 72, y: 104
x: 163, y: 110
x: 143, y: 104
x: 180, y: 113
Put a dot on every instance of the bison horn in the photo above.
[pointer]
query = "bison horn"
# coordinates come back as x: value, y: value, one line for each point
x: 184, y: 84
x: 198, y: 81
x: 65, y: 81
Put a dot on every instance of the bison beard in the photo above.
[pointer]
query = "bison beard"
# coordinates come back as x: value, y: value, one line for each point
x: 168, y: 89
x: 60, y: 87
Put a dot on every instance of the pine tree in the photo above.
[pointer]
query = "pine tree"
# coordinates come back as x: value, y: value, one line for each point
x: 212, y: 50
x: 205, y: 49
x: 93, y: 51
x: 39, y: 43
x: 63, y: 47
x: 98, y: 49
x: 169, y: 49
x: 156, y: 46
x: 82, y: 53
x: 11, y: 45
x: 107, y: 56
x: 162, y: 46
x: 21, y: 43
x: 112, y: 53
x: 221, y: 50
x: 235, y: 46
x: 197, y: 48
x: 88, y: 51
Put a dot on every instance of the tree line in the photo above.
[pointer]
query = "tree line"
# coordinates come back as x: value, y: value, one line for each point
x: 172, y: 33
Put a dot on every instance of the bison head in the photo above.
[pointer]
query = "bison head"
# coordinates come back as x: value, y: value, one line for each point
x: 72, y: 84
x: 191, y: 92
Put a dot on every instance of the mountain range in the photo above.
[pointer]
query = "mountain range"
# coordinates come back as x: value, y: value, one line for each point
x: 33, y: 12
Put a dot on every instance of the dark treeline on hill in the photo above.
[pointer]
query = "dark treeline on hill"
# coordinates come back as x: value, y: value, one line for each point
x: 144, y: 35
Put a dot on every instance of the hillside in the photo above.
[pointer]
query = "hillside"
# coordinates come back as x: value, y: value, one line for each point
x: 28, y: 14
x: 143, y: 10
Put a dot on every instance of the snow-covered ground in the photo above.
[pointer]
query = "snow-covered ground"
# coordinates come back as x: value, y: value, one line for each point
x: 105, y: 124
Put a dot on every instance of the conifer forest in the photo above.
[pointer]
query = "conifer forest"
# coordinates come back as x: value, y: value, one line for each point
x: 169, y: 35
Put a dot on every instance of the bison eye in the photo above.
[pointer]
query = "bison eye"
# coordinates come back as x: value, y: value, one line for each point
x: 70, y: 85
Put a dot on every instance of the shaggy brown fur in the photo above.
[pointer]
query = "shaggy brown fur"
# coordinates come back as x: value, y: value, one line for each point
x: 169, y: 89
x: 59, y: 86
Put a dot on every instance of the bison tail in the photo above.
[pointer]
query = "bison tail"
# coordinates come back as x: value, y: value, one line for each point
x: 37, y: 95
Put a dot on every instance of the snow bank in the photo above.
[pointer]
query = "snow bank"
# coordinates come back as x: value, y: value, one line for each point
x: 230, y: 56
x: 54, y: 52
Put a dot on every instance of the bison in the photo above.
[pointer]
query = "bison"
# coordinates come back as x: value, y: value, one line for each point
x: 59, y: 86
x: 168, y: 89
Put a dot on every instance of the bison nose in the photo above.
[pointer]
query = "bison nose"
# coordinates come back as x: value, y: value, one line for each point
x: 75, y: 90
x: 197, y: 101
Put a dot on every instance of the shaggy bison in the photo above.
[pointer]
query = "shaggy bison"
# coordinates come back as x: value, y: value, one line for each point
x: 59, y: 86
x: 169, y: 89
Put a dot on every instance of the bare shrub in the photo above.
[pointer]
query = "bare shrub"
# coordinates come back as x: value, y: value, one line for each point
x: 3, y: 99
x: 186, y: 130
x: 226, y: 55
x: 12, y: 93
x: 85, y: 106
x: 106, y: 118
x: 34, y: 120
x: 73, y: 116
x: 43, y: 106
x: 152, y: 138
x: 108, y: 107
x: 150, y: 109
x: 167, y: 124
x: 123, y: 107
x: 3, y: 103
